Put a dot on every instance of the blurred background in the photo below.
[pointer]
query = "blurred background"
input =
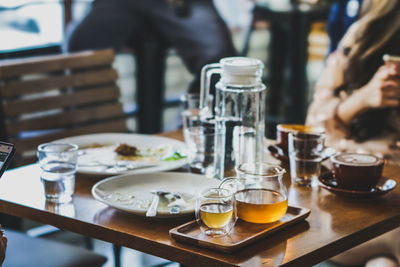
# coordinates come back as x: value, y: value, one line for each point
x: 30, y: 28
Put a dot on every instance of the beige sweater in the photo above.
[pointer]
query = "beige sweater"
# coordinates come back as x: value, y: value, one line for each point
x: 322, y: 108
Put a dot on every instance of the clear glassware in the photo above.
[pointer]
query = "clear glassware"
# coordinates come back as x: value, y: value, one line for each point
x: 239, y: 112
x: 260, y: 195
x: 57, y: 162
x: 305, y: 156
x: 199, y: 134
x: 215, y: 211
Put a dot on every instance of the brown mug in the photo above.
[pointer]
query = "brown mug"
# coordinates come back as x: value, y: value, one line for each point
x: 283, y: 130
x: 356, y: 171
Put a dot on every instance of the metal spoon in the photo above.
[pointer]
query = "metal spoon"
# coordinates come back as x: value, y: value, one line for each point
x: 152, y: 210
x: 118, y: 165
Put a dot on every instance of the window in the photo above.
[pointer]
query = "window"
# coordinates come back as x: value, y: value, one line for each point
x: 30, y: 23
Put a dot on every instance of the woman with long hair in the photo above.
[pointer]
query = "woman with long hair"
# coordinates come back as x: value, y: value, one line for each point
x: 357, y: 96
x: 357, y: 100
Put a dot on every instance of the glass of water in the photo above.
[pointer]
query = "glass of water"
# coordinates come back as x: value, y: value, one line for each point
x: 190, y: 108
x: 305, y: 155
x: 200, y: 142
x: 57, y: 162
x: 199, y: 134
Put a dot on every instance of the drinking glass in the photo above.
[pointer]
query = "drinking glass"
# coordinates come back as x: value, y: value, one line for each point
x: 199, y: 135
x: 215, y: 211
x: 57, y: 162
x: 200, y: 140
x: 261, y: 196
x: 190, y: 104
x: 305, y: 155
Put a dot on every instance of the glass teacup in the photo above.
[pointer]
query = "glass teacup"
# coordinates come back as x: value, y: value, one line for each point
x: 215, y: 211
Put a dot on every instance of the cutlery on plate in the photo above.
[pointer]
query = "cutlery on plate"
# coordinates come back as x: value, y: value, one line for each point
x: 117, y: 165
x: 152, y: 210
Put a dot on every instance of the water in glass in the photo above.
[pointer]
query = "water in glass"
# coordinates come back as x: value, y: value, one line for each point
x: 58, y: 179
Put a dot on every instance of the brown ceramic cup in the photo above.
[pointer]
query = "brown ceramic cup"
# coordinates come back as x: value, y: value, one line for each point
x: 355, y: 171
x: 283, y: 130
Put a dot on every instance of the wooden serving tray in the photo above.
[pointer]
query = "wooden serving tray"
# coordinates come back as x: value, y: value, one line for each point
x: 243, y: 233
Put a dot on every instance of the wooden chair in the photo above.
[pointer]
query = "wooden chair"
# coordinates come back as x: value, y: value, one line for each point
x: 50, y: 97
x: 44, y: 98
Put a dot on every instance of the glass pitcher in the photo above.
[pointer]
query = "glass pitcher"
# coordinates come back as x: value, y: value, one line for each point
x: 239, y: 112
x: 260, y: 195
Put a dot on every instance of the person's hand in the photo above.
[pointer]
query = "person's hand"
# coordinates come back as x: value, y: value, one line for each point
x: 383, y: 90
x: 3, y: 246
x: 393, y: 65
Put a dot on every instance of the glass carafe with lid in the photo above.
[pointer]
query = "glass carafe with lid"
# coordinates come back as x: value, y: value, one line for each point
x: 239, y: 112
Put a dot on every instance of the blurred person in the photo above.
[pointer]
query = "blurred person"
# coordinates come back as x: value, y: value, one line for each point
x: 356, y: 99
x: 193, y: 27
x: 357, y: 95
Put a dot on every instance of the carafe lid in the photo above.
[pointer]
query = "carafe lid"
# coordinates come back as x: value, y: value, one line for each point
x: 241, y: 70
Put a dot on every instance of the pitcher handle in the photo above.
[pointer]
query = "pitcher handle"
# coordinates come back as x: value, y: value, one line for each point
x: 205, y: 81
x: 232, y: 183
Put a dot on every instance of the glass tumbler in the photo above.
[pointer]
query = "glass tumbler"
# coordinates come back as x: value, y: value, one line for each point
x: 190, y: 110
x: 57, y: 162
x: 215, y: 212
x: 200, y: 142
x: 199, y: 135
x: 305, y: 155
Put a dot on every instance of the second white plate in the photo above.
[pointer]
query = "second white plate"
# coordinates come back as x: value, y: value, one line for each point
x: 140, y: 141
x: 132, y: 192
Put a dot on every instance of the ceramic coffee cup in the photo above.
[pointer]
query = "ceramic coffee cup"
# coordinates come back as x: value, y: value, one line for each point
x: 283, y: 130
x: 355, y: 171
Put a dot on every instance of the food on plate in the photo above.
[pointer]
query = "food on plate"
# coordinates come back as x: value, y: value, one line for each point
x: 175, y: 156
x: 126, y: 150
x: 110, y: 156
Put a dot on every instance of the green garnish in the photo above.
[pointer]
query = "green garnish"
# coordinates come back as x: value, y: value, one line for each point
x: 175, y: 156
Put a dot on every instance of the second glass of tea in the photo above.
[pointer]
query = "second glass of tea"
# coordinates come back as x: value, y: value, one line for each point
x: 215, y: 211
x: 261, y: 196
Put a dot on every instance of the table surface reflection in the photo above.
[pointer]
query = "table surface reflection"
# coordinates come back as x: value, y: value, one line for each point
x: 334, y: 225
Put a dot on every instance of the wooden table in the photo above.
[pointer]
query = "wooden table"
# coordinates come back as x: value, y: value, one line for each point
x: 335, y: 224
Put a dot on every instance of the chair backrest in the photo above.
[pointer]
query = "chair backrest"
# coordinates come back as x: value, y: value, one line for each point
x: 50, y: 97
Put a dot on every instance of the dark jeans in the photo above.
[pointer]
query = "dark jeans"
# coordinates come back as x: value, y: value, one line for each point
x: 200, y: 38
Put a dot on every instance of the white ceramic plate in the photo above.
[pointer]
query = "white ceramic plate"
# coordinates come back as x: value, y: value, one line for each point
x: 88, y: 163
x: 132, y: 192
